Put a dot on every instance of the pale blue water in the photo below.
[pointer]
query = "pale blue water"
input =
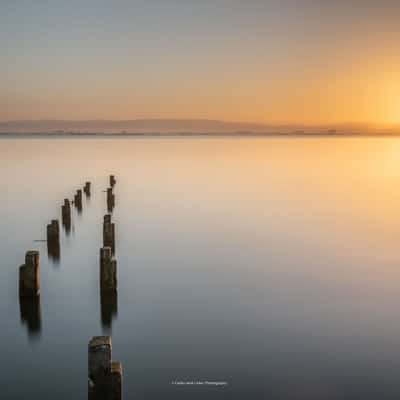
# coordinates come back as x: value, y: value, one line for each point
x: 269, y: 264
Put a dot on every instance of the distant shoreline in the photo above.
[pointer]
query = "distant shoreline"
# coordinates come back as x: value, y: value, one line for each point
x: 15, y: 135
x: 187, y: 128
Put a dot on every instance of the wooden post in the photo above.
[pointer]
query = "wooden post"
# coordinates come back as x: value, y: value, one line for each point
x: 29, y: 275
x: 116, y: 381
x: 86, y: 189
x: 66, y: 215
x: 108, y: 307
x: 67, y: 205
x: 99, y: 356
x: 53, y: 231
x: 104, y: 375
x: 54, y: 250
x: 30, y: 314
x: 110, y: 199
x: 108, y: 270
x: 66, y: 209
x: 112, y: 180
x: 109, y: 233
x: 78, y: 200
x: 53, y: 239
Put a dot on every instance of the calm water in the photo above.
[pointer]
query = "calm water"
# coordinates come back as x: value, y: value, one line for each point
x: 270, y: 264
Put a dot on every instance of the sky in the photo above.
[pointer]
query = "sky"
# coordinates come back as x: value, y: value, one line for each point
x: 271, y: 61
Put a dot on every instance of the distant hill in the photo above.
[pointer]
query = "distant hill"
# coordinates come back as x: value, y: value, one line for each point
x: 168, y: 126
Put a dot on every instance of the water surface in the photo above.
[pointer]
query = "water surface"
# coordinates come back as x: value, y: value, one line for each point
x: 270, y: 264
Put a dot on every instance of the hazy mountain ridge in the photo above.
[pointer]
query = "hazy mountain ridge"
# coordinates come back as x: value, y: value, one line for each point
x: 182, y: 126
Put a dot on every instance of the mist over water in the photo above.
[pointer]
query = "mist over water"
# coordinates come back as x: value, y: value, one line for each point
x: 269, y: 264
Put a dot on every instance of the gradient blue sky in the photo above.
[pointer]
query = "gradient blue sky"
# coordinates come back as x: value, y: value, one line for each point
x: 265, y: 61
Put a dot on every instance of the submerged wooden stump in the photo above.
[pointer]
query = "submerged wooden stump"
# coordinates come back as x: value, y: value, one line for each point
x: 29, y: 275
x: 104, y: 375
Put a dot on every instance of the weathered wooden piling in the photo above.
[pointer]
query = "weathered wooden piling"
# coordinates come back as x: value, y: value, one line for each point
x: 66, y: 208
x: 110, y: 199
x: 54, y: 250
x: 78, y: 203
x: 53, y: 231
x: 109, y: 233
x: 86, y: 189
x: 104, y: 375
x: 30, y: 314
x: 66, y: 215
x: 99, y: 356
x: 53, y: 239
x: 115, y: 381
x: 108, y: 270
x: 112, y: 180
x: 108, y: 307
x: 78, y: 200
x: 29, y: 275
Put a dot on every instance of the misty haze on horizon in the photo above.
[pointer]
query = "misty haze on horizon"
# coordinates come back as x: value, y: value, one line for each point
x: 182, y: 126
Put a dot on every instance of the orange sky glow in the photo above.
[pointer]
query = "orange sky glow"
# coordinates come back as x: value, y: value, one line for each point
x: 309, y: 62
